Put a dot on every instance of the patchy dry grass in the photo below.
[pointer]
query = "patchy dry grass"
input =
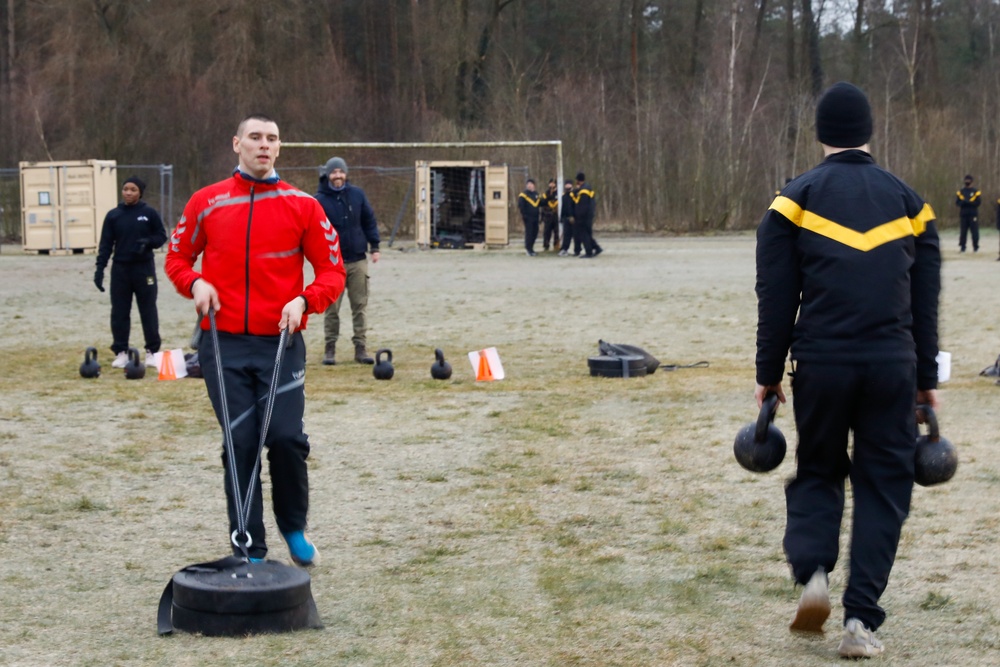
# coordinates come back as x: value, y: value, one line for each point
x: 548, y: 519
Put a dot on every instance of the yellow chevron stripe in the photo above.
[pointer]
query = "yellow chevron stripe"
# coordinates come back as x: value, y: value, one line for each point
x: 873, y: 238
x: 533, y: 202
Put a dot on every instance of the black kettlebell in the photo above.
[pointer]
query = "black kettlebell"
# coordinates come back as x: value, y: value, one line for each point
x: 134, y: 368
x: 936, y: 458
x: 383, y: 369
x: 440, y: 369
x: 90, y: 368
x: 760, y: 446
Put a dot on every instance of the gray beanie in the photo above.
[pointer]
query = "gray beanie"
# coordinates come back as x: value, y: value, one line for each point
x: 334, y: 163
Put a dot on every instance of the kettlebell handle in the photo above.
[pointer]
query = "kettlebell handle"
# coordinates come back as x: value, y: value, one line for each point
x: 768, y: 410
x: 90, y: 355
x: 933, y: 433
x: 388, y: 355
x: 439, y: 355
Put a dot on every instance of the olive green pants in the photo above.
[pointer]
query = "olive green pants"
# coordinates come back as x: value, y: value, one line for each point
x: 356, y: 290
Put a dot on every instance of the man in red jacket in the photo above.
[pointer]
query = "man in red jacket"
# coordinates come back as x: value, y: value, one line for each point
x: 253, y: 232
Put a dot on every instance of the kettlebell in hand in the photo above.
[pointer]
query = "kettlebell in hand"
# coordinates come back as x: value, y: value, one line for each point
x: 90, y: 368
x: 936, y: 458
x: 383, y: 369
x: 440, y: 369
x: 760, y: 446
x: 134, y: 368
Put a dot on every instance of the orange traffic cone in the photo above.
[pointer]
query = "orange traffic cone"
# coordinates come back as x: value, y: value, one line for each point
x: 484, y: 374
x: 167, y: 371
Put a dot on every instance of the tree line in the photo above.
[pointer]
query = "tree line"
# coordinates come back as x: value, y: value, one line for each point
x: 686, y: 114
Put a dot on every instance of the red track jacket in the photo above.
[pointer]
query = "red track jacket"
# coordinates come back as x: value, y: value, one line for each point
x: 254, y: 236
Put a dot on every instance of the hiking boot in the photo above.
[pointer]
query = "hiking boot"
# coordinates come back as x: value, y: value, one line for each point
x: 814, y: 605
x: 301, y: 549
x: 859, y: 641
x: 328, y: 355
x: 120, y: 361
x: 361, y: 355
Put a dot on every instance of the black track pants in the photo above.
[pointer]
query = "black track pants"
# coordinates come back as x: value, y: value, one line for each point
x: 550, y: 232
x: 876, y: 402
x: 585, y: 230
x: 968, y: 223
x: 247, y: 365
x: 530, y: 234
x: 138, y: 279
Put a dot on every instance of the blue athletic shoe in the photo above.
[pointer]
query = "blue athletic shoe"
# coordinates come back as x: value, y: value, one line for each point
x: 302, y: 550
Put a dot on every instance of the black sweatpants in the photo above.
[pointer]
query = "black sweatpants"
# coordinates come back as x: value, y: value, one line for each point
x: 139, y: 279
x: 876, y: 402
x: 550, y: 231
x: 530, y: 234
x: 585, y: 230
x: 968, y: 223
x: 247, y: 365
x: 569, y: 234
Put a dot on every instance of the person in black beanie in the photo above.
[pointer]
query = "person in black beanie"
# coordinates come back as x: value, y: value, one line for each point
x: 583, y: 211
x: 848, y: 280
x: 968, y: 200
x: 527, y: 205
x: 130, y: 233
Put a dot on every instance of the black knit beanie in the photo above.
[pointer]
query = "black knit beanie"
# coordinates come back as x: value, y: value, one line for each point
x: 843, y: 117
x: 138, y: 182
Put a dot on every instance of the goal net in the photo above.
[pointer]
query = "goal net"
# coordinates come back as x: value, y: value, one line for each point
x: 455, y: 194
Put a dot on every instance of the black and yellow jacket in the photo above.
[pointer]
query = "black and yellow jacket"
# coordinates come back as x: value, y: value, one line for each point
x: 583, y: 203
x: 968, y: 200
x: 527, y: 204
x: 549, y: 205
x: 853, y: 252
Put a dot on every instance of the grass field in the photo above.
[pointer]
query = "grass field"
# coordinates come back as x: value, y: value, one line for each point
x: 547, y: 519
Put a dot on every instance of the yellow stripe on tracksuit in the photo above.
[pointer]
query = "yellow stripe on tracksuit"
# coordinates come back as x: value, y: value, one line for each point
x: 533, y: 202
x: 873, y: 238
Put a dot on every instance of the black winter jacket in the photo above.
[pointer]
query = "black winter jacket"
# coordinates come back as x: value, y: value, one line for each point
x: 527, y: 204
x: 568, y: 206
x: 583, y: 200
x: 132, y: 232
x: 854, y: 252
x: 968, y: 200
x: 353, y: 218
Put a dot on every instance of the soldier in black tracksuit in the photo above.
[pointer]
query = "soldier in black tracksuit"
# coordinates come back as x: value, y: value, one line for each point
x: 583, y: 211
x: 566, y: 216
x: 527, y: 204
x: 968, y: 200
x: 548, y: 205
x: 130, y: 233
x: 850, y: 284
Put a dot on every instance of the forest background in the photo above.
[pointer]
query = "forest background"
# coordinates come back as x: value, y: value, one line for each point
x: 686, y: 114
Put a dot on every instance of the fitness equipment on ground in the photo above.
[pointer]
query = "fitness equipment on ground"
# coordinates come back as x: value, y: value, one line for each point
x: 760, y: 446
x: 624, y: 350
x: 936, y: 458
x: 90, y: 368
x: 134, y: 368
x: 621, y: 366
x: 440, y: 369
x: 383, y: 369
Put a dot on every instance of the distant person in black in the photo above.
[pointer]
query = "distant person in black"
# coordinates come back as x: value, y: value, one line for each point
x: 968, y: 200
x: 527, y: 204
x: 583, y: 211
x: 568, y: 222
x: 130, y: 233
x: 549, y: 207
x: 998, y: 225
x: 849, y: 285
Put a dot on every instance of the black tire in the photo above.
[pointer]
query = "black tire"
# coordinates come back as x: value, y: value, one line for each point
x: 273, y: 587
x: 301, y: 617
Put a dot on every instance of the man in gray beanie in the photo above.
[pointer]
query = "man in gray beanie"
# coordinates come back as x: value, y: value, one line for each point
x: 848, y: 278
x: 352, y: 216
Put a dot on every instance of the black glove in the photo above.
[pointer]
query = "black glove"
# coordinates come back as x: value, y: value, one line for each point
x: 99, y: 279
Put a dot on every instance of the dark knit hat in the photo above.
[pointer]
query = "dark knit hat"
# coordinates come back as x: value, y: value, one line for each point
x: 580, y: 176
x: 843, y: 117
x: 968, y: 178
x: 138, y: 182
x: 334, y: 163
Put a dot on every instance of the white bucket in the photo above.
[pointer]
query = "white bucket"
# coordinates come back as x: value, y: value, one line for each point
x: 944, y: 366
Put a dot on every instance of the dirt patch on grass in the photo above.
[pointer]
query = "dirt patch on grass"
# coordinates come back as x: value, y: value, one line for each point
x: 548, y: 519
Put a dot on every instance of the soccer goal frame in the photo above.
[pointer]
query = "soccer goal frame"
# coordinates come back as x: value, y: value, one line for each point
x: 553, y: 143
